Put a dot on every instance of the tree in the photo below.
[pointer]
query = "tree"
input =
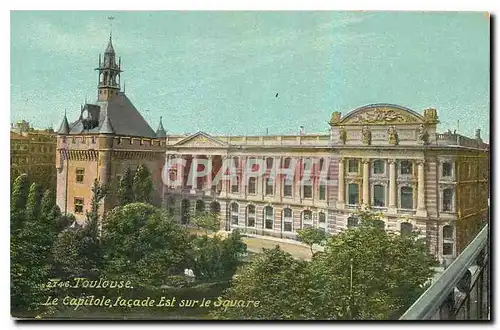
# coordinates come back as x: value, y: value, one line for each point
x: 368, y: 273
x: 275, y: 279
x: 143, y: 244
x: 126, y: 188
x: 18, y: 200
x: 311, y: 236
x: 33, y: 204
x: 365, y: 273
x: 143, y: 185
x: 216, y: 258
x: 207, y: 221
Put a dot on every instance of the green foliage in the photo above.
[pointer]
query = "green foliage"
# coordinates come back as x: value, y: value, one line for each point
x: 215, y: 258
x: 142, y: 185
x: 311, y: 236
x: 275, y: 279
x: 64, y: 221
x: 34, y: 202
x: 125, y: 191
x: 365, y: 273
x: 207, y: 221
x: 66, y: 254
x: 31, y: 242
x: 142, y: 244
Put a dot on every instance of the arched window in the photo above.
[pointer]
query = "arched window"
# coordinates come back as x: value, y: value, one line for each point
x: 307, y: 220
x: 447, y: 200
x: 287, y: 219
x: 251, y: 216
x: 352, y: 222
x: 252, y: 183
x: 406, y: 228
x: 185, y: 212
x: 215, y: 207
x: 407, y: 198
x: 200, y: 206
x: 268, y: 217
x: 234, y: 213
x: 447, y: 169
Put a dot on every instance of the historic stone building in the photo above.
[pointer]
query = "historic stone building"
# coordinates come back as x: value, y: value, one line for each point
x: 382, y: 156
x: 107, y: 138
x: 32, y: 151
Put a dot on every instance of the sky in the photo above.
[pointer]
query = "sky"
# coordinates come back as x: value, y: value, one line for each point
x: 219, y: 72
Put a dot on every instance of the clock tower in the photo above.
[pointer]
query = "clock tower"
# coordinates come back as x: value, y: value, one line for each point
x: 109, y: 74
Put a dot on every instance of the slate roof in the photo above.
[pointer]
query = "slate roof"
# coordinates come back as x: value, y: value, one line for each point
x: 64, y: 128
x: 125, y: 118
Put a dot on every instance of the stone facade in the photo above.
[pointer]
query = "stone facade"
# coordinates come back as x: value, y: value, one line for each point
x: 383, y: 157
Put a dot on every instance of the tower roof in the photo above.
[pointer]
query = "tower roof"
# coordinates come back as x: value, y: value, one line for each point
x: 109, y: 49
x: 160, y: 132
x: 106, y: 127
x: 64, y: 128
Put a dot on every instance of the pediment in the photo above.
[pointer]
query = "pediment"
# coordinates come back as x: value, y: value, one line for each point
x: 201, y: 139
x: 382, y: 115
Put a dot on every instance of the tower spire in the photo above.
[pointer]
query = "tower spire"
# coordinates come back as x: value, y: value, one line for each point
x: 109, y: 72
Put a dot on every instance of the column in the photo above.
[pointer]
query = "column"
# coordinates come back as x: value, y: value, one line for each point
x: 180, y: 173
x: 278, y: 190
x: 242, y: 189
x: 261, y: 182
x: 392, y: 187
x: 366, y: 182
x: 421, y: 208
x: 297, y: 182
x: 224, y: 183
x: 193, y: 171
x: 341, y: 184
x: 209, y: 170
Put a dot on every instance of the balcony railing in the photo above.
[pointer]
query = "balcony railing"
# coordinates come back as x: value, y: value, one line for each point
x: 462, y: 291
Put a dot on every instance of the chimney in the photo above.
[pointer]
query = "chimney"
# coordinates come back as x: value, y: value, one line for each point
x: 478, y: 134
x: 302, y: 131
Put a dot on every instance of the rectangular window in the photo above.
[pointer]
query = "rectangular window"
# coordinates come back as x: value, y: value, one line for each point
x: 307, y: 187
x: 353, y: 166
x: 353, y: 192
x: 78, y: 205
x: 251, y: 216
x: 407, y: 198
x: 322, y: 192
x: 80, y: 173
x: 406, y: 167
x: 447, y: 249
x: 269, y: 163
x: 269, y: 186
x: 235, y: 185
x: 378, y: 167
x: 252, y: 182
x: 447, y: 167
x: 287, y: 187
x: 287, y: 220
x: 378, y: 195
x: 268, y: 214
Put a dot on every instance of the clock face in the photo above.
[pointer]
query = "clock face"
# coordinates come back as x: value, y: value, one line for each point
x: 85, y: 114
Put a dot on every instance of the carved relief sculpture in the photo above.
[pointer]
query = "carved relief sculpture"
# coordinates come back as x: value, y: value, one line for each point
x: 430, y: 116
x: 335, y: 119
x: 367, y: 135
x: 393, y: 135
x: 422, y: 135
x: 382, y: 116
x: 342, y: 135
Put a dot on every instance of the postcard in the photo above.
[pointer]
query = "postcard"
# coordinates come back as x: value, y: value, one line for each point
x: 250, y: 165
